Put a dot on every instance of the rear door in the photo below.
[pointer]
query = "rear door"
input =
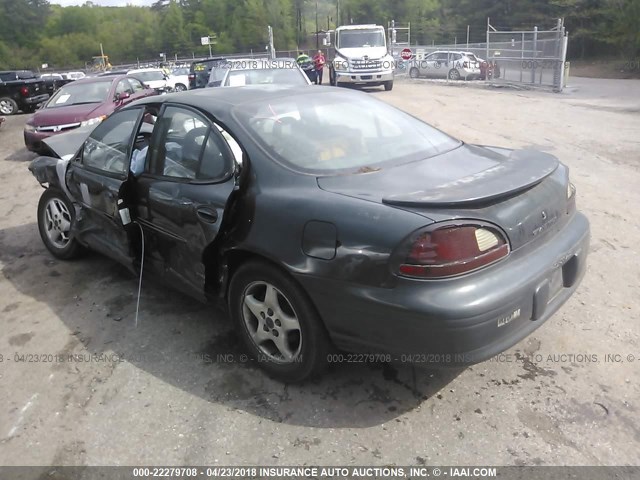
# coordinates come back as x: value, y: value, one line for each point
x: 435, y: 65
x: 183, y: 194
x: 98, y: 179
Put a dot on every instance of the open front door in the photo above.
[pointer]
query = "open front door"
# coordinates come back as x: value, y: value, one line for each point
x: 98, y: 179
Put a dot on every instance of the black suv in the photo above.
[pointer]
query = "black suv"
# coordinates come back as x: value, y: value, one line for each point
x: 201, y: 69
x: 20, y: 90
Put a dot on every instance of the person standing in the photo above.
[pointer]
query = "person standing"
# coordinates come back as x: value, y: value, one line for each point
x: 319, y: 61
x: 306, y: 64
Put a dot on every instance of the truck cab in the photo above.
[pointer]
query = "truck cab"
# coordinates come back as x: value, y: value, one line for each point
x: 361, y: 57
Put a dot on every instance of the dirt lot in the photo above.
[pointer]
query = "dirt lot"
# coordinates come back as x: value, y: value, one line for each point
x: 554, y: 399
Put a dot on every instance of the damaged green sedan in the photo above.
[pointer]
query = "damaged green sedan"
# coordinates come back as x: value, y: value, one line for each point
x: 323, y: 218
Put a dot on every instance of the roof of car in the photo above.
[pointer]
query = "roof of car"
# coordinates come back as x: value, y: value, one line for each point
x: 263, y: 64
x: 209, y: 98
x: 106, y: 78
x: 141, y: 70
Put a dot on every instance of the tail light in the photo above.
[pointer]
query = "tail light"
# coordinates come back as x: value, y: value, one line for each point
x: 452, y: 250
x: 24, y: 91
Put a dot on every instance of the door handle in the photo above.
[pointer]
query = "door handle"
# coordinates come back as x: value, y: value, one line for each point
x: 207, y: 214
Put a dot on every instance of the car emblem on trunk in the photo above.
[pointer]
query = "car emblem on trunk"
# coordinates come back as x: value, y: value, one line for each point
x: 544, y: 215
x: 57, y: 129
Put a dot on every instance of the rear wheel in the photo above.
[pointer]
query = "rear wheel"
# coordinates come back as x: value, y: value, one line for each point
x: 279, y: 325
x: 414, y: 72
x: 180, y: 87
x: 8, y: 106
x: 55, y: 218
x: 454, y: 74
x: 388, y: 86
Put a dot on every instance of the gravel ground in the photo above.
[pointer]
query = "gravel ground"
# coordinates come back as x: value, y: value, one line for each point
x: 166, y: 398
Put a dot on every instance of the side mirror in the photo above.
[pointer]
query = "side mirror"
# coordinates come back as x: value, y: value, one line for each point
x: 122, y: 96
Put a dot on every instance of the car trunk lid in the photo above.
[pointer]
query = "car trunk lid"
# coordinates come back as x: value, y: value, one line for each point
x: 471, y: 182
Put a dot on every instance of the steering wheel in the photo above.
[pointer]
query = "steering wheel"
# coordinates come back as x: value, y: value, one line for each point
x: 190, y: 148
x: 112, y: 159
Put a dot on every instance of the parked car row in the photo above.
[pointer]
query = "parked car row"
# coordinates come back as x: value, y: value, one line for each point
x: 81, y: 103
x: 87, y: 102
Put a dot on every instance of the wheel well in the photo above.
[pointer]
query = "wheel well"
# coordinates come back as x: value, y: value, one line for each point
x: 233, y: 259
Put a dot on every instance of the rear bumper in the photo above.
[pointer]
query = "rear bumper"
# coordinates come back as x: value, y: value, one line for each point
x: 456, y: 321
x: 364, y: 78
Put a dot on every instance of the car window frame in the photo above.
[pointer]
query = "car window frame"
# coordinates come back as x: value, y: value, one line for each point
x: 212, y: 126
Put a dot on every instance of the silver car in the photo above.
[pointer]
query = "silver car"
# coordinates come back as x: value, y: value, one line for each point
x: 454, y: 65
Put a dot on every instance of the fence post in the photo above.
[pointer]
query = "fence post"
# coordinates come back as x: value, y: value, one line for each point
x: 487, y: 56
x: 535, y: 54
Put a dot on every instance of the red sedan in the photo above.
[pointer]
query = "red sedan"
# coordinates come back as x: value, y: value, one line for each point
x: 81, y: 103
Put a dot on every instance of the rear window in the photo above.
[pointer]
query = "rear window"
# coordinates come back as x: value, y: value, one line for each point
x: 17, y: 75
x: 202, y: 69
x: 148, y: 76
x: 339, y: 132
x: 265, y: 76
x: 26, y: 75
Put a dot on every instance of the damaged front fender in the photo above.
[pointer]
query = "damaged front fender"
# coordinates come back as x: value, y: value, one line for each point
x: 50, y: 173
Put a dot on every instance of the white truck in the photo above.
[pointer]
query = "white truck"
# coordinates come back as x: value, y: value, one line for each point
x: 361, y: 57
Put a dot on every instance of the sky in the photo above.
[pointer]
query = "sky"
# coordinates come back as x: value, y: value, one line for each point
x: 104, y: 3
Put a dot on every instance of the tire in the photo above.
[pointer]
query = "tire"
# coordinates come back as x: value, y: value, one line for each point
x: 414, y: 72
x: 261, y: 297
x: 179, y: 87
x: 8, y: 106
x: 388, y: 86
x: 453, y: 74
x: 55, y: 217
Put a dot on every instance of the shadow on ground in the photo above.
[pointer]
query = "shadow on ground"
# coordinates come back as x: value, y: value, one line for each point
x: 192, y: 346
x: 21, y: 155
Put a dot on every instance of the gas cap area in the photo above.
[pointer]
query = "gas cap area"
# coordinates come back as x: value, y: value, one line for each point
x: 319, y: 240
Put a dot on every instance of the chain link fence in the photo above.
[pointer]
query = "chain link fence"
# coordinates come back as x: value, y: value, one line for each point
x: 533, y: 57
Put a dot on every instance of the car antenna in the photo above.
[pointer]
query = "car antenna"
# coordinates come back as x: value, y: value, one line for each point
x: 125, y: 216
x: 141, y: 269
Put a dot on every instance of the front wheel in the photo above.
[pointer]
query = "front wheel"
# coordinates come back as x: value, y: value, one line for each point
x: 414, y: 73
x: 388, y: 86
x: 279, y: 326
x: 8, y: 106
x: 56, y: 215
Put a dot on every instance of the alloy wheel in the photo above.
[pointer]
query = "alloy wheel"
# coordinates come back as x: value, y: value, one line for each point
x: 57, y: 223
x: 271, y: 322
